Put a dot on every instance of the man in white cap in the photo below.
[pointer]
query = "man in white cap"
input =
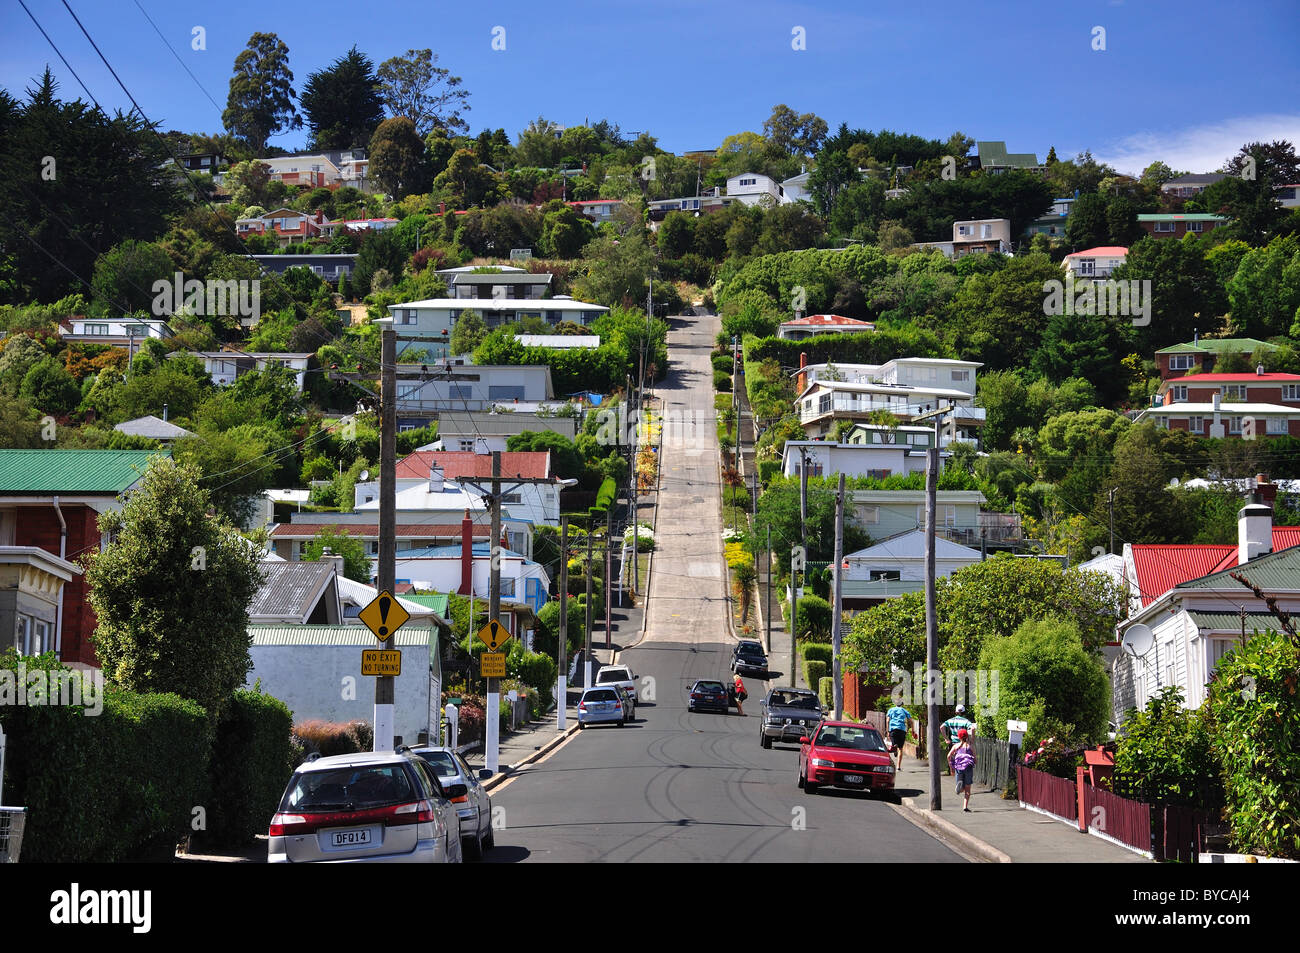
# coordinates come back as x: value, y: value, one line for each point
x: 955, y: 724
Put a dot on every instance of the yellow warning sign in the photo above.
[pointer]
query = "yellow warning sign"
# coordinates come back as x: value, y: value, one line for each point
x: 494, y: 635
x: 381, y: 662
x: 492, y: 665
x: 384, y: 616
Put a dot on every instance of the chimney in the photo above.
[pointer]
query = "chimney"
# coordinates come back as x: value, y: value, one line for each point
x: 328, y: 556
x: 1259, y: 370
x: 1217, y: 399
x: 1254, y: 532
x: 1196, y: 335
x: 1265, y: 492
x: 435, y: 478
x: 466, y: 556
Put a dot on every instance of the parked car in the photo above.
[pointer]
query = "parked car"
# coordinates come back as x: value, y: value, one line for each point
x: 788, y: 715
x: 618, y: 675
x: 471, y: 800
x: 374, y: 807
x: 844, y: 754
x: 748, y: 658
x: 601, y: 705
x: 708, y: 694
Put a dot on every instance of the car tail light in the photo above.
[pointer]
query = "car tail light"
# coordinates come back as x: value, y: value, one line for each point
x: 582, y: 706
x: 283, y: 824
x: 417, y: 812
x: 463, y: 799
x: 618, y: 706
x: 696, y: 695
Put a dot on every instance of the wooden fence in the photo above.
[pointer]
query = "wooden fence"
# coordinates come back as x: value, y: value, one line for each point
x: 1047, y: 793
x: 992, y: 763
x: 1119, y: 818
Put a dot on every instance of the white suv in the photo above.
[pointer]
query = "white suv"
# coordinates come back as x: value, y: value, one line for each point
x: 369, y: 807
x: 619, y: 675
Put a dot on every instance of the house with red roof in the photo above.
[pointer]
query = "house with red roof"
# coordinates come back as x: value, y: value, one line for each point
x: 1096, y: 262
x: 805, y: 327
x: 1194, y: 609
x: 1259, y: 404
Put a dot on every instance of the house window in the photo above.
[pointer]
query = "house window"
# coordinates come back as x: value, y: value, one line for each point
x: 1164, y: 227
x: 1291, y: 391
x: 95, y: 328
x: 459, y: 391
x: 1277, y: 425
x: 1195, y: 226
x: 1180, y: 362
x: 1196, y: 425
x: 1087, y: 266
x: 407, y: 391
x: 879, y: 474
x: 986, y: 231
x: 508, y: 586
x: 870, y: 514
x: 1218, y: 649
x: 511, y: 498
x: 881, y: 575
x: 1234, y: 424
x: 963, y: 229
x: 824, y: 404
x: 1179, y: 393
x: 505, y: 392
x: 1234, y: 391
x: 961, y: 375
x: 467, y: 445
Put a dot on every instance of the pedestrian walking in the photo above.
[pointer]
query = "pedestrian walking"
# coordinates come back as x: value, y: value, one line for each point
x: 898, y: 717
x: 962, y: 759
x: 955, y: 724
x: 739, y: 687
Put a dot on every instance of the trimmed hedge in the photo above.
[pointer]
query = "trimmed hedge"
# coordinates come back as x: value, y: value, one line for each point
x: 826, y: 692
x: 120, y: 785
x: 252, y: 759
x: 537, y: 671
x: 722, y: 382
x: 814, y: 672
x: 877, y: 348
x: 722, y: 362
x: 605, y: 497
x: 818, y: 652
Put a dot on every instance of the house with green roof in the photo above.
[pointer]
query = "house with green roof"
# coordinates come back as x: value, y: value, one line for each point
x: 1202, y: 354
x: 994, y: 159
x: 1180, y: 224
x: 50, y: 502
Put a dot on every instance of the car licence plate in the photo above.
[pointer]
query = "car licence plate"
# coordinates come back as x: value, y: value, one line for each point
x: 853, y: 779
x: 358, y: 838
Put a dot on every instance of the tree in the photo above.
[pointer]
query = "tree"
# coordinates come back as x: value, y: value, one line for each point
x: 1185, y: 293
x: 124, y: 277
x: 397, y: 158
x: 190, y: 634
x: 1087, y: 226
x: 565, y: 231
x: 356, y: 563
x: 794, y: 134
x: 1169, y: 748
x: 260, y: 103
x: 342, y: 103
x: 1047, y: 661
x: 539, y: 144
x: 617, y: 270
x: 50, y: 388
x: 382, y: 251
x: 834, y: 173
x: 425, y: 93
x: 468, y: 332
x: 468, y: 183
x: 1265, y: 291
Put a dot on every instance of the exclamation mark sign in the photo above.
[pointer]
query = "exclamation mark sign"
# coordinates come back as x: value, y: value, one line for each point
x: 384, y: 603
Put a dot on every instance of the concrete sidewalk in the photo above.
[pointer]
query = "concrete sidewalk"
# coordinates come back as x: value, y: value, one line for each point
x: 999, y: 831
x: 527, y: 743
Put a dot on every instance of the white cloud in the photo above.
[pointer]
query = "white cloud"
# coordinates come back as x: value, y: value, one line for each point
x: 1198, y: 149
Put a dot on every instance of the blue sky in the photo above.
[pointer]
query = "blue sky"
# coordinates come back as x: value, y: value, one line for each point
x: 1188, y: 82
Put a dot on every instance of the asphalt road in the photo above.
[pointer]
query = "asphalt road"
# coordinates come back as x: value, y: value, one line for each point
x: 673, y: 785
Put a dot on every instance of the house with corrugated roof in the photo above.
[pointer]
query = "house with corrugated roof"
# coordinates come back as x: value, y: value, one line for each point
x: 50, y: 502
x: 1200, y: 355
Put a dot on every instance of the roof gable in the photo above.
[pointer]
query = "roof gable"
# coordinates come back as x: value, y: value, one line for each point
x: 911, y: 545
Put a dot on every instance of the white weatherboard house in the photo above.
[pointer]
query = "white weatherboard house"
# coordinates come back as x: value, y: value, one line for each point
x: 433, y: 319
x: 866, y: 451
x: 896, y: 566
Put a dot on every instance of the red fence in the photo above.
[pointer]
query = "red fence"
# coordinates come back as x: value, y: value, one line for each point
x: 1047, y: 793
x: 1180, y: 832
x: 1128, y: 822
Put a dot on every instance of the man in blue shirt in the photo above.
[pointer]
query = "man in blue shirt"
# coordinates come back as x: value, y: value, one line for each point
x: 898, y: 717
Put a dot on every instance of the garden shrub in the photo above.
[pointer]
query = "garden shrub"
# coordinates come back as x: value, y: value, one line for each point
x: 818, y: 652
x: 252, y: 759
x: 814, y: 672
x: 826, y: 691
x: 332, y: 737
x: 722, y: 382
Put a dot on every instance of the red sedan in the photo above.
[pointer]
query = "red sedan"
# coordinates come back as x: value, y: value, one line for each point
x: 844, y: 754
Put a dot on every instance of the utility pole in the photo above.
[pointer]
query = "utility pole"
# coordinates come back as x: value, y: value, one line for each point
x: 767, y: 602
x: 1111, y: 496
x: 493, y: 717
x: 562, y: 680
x: 586, y: 657
x: 931, y: 628
x: 609, y: 544
x: 384, y: 685
x: 838, y: 685
x: 803, y: 498
x: 794, y: 616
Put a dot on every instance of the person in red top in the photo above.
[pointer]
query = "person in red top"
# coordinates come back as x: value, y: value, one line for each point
x: 739, y: 688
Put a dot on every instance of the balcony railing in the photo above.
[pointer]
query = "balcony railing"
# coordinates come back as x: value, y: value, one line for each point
x: 849, y: 404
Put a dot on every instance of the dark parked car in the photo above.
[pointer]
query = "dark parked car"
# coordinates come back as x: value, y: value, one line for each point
x: 788, y: 715
x: 708, y: 694
x: 748, y: 658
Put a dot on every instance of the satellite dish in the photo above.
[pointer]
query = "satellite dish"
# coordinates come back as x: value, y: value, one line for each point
x: 365, y: 475
x: 1138, y: 639
x: 1173, y: 481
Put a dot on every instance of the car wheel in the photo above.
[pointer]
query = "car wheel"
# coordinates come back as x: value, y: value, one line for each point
x: 472, y: 847
x: 765, y: 741
x: 490, y: 841
x: 621, y: 723
x: 810, y: 787
x: 801, y: 781
x: 581, y: 726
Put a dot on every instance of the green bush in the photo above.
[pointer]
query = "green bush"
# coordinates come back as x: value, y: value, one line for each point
x: 252, y: 760
x: 1254, y: 717
x: 814, y: 672
x: 817, y: 652
x: 722, y: 382
x: 768, y: 469
x: 605, y: 497
x: 722, y: 362
x: 1169, y: 746
x: 826, y: 692
x: 814, y: 620
x: 537, y: 671
x: 116, y: 786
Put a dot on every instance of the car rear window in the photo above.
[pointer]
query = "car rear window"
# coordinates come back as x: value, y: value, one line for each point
x: 350, y: 789
x: 607, y: 675
x: 602, y: 695
x: 709, y: 686
x: 442, y: 762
